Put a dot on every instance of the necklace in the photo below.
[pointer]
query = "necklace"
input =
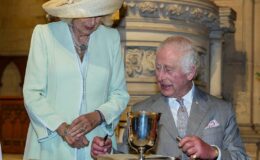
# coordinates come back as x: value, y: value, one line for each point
x: 80, y: 48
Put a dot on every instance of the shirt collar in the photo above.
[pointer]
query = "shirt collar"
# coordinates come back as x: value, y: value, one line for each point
x: 187, y: 97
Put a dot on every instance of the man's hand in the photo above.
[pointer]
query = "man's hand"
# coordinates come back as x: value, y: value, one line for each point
x: 100, y: 147
x: 84, y: 124
x: 194, y: 147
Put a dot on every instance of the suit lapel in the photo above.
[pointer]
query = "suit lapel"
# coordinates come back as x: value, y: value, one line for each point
x: 198, y: 113
x: 166, y: 121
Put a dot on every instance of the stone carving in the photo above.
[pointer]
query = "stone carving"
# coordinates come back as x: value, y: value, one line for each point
x: 148, y: 9
x: 175, y: 10
x: 227, y: 19
x: 190, y: 12
x: 140, y: 62
x: 198, y: 13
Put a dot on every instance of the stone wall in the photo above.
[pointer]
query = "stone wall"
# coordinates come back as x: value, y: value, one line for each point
x: 241, y: 64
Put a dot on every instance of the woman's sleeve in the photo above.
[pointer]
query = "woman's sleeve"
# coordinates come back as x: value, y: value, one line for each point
x: 118, y: 95
x: 42, y: 115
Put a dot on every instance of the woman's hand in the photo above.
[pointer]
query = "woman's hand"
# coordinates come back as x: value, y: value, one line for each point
x: 100, y: 146
x: 74, y: 142
x: 84, y: 124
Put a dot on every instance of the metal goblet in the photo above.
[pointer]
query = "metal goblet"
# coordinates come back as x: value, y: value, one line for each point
x: 142, y: 130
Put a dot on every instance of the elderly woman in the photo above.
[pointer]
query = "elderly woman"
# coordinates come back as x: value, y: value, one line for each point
x: 74, y: 86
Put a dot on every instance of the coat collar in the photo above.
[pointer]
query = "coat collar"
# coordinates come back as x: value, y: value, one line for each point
x: 62, y: 34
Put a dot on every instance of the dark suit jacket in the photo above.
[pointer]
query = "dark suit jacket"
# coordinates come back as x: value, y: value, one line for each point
x: 205, y: 108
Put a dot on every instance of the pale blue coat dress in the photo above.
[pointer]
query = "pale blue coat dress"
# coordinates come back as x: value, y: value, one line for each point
x: 58, y: 88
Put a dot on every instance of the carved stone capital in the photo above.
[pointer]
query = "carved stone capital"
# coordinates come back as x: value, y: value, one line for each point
x: 191, y: 11
x: 227, y: 19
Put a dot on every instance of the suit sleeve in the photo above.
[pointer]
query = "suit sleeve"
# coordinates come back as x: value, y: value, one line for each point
x: 233, y: 148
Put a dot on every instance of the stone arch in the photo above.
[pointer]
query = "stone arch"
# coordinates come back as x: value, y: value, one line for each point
x: 12, y: 70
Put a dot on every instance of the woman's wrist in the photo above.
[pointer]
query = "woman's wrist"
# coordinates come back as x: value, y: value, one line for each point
x: 62, y: 130
x: 102, y: 119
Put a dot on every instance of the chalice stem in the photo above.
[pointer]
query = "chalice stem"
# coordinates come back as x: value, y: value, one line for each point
x: 141, y: 155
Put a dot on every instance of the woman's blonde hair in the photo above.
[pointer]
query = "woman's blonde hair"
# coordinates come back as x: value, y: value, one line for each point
x: 107, y: 20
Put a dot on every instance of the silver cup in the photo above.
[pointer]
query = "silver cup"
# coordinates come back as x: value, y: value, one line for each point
x: 142, y: 130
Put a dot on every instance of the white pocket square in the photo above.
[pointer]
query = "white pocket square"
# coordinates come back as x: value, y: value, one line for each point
x: 212, y: 124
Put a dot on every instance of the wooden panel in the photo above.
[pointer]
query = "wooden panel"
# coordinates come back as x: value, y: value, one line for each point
x: 13, y: 125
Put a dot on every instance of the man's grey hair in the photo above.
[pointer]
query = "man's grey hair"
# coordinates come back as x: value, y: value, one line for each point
x: 185, y: 46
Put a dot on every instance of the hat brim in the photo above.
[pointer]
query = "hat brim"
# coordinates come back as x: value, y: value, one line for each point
x: 81, y: 8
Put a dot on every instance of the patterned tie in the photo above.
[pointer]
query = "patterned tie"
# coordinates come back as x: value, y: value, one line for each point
x: 182, y: 118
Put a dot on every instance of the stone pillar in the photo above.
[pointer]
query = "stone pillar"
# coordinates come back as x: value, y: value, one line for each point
x: 227, y: 17
x: 216, y: 63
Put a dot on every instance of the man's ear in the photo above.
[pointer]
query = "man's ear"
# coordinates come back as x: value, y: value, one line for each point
x: 192, y: 74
